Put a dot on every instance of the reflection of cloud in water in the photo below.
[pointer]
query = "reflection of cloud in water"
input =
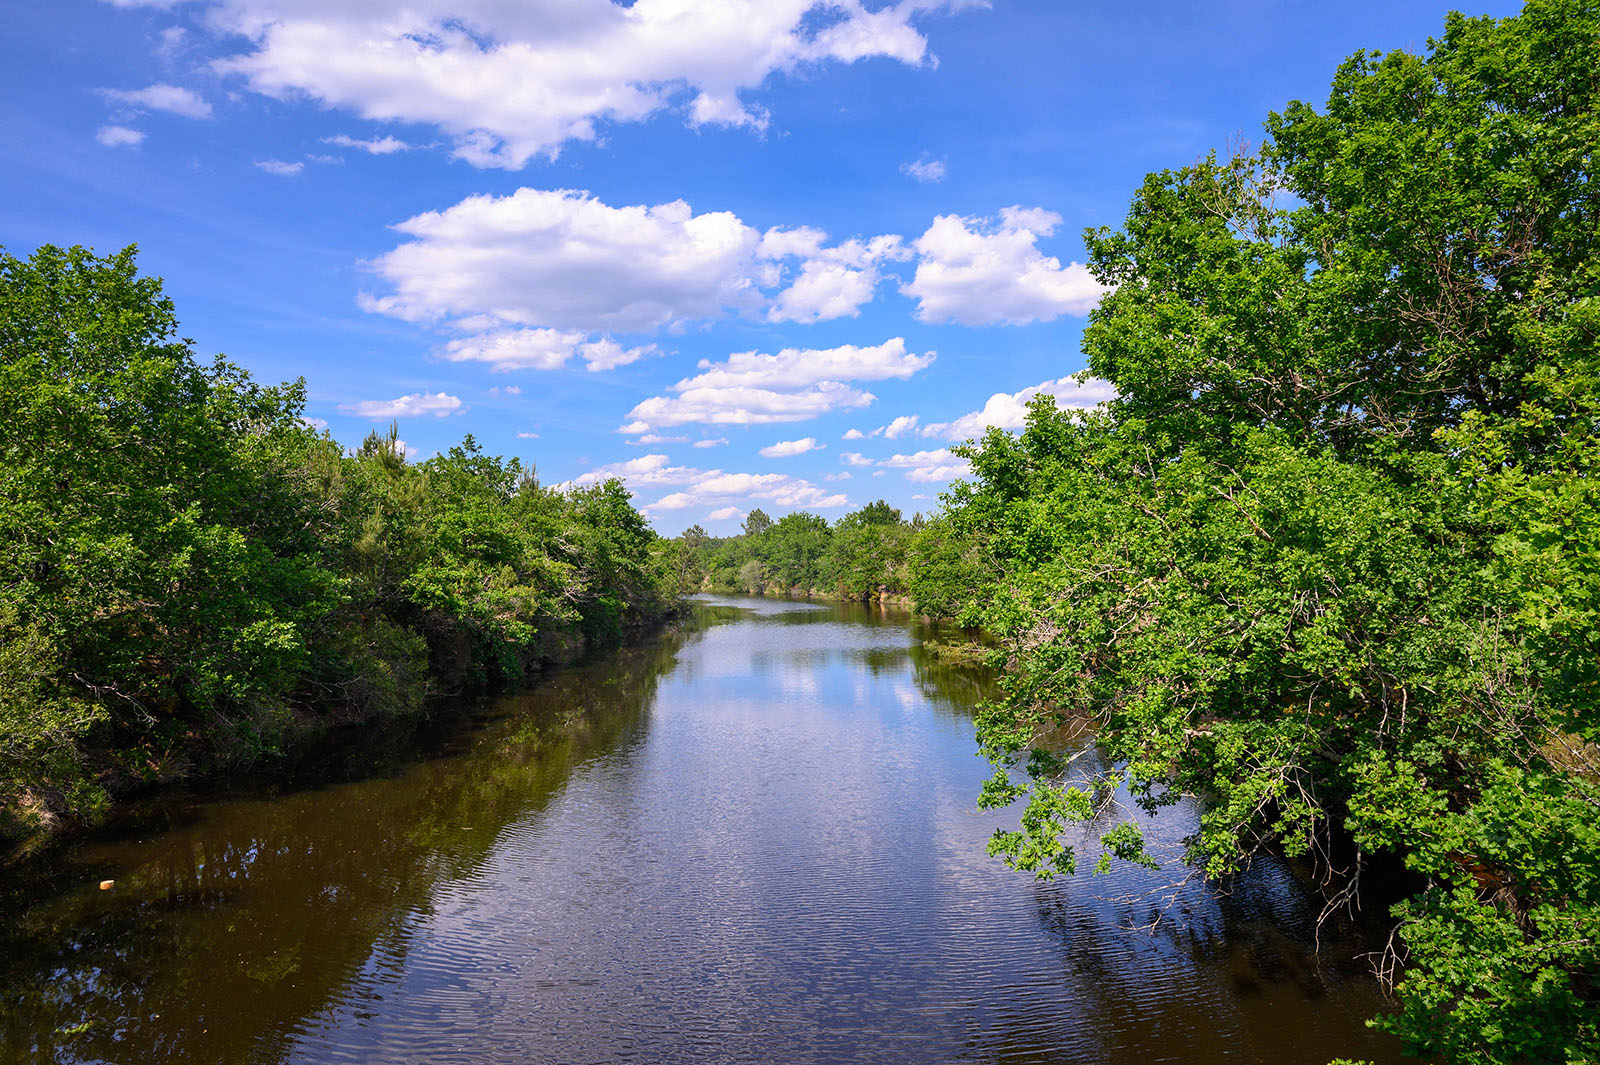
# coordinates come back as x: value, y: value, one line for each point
x: 762, y: 606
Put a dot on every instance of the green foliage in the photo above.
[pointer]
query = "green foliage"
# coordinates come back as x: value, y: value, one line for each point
x: 1330, y: 560
x: 190, y: 576
x: 794, y: 549
x: 872, y: 554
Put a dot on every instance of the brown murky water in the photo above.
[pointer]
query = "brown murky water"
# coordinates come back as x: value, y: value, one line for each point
x: 754, y: 843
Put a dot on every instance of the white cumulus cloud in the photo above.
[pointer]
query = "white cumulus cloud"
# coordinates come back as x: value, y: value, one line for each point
x: 508, y: 81
x: 750, y: 388
x: 832, y: 282
x: 418, y: 404
x: 516, y: 349
x: 693, y: 487
x: 928, y: 466
x: 899, y: 427
x: 972, y: 271
x: 541, y: 349
x: 785, y: 448
x: 564, y: 260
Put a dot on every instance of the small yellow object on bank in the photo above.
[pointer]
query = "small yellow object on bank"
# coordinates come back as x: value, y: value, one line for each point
x: 107, y: 885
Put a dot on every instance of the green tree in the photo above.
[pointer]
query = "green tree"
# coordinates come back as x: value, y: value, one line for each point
x: 794, y: 548
x: 756, y: 523
x: 1329, y: 559
x: 867, y: 556
x: 191, y: 577
x: 154, y: 559
x: 752, y: 576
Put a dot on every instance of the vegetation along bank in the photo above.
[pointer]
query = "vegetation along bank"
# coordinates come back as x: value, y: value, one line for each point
x: 192, y: 577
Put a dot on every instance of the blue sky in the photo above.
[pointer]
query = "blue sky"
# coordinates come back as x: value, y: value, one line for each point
x: 774, y: 253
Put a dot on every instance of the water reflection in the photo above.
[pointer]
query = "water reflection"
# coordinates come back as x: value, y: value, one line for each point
x: 226, y: 933
x: 756, y: 841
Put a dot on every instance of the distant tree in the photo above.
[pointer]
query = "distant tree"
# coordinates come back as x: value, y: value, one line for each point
x: 756, y: 522
x: 867, y: 556
x: 752, y: 576
x: 878, y: 513
x: 384, y: 448
x: 684, y: 560
x: 794, y: 550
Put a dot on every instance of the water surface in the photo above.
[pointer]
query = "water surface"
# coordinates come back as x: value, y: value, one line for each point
x: 753, y: 842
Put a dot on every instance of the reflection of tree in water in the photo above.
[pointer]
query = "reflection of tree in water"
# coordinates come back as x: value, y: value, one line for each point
x: 224, y: 937
x: 1219, y: 976
x: 954, y: 687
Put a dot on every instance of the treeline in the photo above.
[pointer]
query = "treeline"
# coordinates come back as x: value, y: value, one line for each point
x: 1331, y: 560
x: 870, y: 555
x: 191, y: 577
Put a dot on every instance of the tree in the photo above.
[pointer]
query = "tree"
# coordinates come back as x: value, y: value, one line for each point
x: 756, y: 522
x: 1329, y: 559
x: 867, y: 555
x: 876, y: 513
x: 795, y: 546
x: 752, y: 576
x: 683, y: 560
x: 143, y: 515
x: 191, y: 578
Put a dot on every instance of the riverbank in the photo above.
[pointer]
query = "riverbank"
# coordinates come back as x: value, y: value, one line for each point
x: 882, y: 597
x: 335, y: 741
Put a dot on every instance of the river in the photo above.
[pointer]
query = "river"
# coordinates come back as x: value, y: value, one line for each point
x: 751, y: 841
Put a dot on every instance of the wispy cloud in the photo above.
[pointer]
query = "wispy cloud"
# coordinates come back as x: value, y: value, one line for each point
x: 119, y: 136
x: 279, y: 167
x: 926, y: 170
x: 170, y: 98
x: 372, y: 146
x: 437, y: 404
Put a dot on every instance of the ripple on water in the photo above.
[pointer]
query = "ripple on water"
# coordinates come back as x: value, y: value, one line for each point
x: 755, y: 844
